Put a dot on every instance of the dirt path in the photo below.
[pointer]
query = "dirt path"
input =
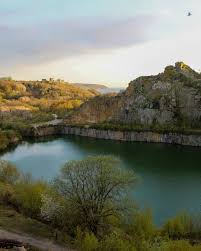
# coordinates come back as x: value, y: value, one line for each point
x: 49, y: 123
x: 43, y: 244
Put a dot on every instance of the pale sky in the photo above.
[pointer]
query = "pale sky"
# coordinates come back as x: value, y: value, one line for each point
x: 97, y: 41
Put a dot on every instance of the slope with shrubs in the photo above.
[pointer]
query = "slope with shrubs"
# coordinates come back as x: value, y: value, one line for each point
x: 44, y: 96
x: 88, y: 205
x: 23, y: 103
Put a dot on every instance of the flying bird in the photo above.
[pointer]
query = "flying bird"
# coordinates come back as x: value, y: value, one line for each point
x: 189, y: 14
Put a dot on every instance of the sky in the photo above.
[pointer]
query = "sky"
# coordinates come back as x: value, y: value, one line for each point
x: 97, y: 41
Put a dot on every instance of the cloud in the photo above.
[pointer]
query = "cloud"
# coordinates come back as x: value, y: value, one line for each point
x: 51, y: 41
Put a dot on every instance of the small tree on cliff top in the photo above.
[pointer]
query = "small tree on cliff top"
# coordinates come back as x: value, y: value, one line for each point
x: 94, y: 188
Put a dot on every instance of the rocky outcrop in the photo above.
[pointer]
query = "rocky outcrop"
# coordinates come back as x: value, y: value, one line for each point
x: 165, y: 108
x: 171, y: 99
x: 97, y: 110
x: 170, y: 138
x: 140, y: 136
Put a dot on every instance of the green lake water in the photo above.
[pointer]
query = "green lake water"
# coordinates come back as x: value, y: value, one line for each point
x: 170, y: 176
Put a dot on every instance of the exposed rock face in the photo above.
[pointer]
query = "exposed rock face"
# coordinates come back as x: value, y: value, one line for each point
x: 168, y: 100
x: 143, y: 136
x: 154, y: 109
x: 97, y: 110
x: 169, y: 138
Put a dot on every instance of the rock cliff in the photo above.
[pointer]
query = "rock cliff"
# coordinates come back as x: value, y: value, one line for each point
x: 97, y: 110
x: 143, y: 136
x: 169, y: 100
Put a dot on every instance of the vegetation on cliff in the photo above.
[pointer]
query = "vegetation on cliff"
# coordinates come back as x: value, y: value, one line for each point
x: 86, y: 204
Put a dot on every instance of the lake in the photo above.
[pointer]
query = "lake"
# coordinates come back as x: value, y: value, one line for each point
x: 170, y: 176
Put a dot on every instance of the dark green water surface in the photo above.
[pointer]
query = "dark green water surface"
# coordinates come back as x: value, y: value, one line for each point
x: 170, y: 175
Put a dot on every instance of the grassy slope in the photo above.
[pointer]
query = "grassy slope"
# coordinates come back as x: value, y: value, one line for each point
x: 12, y: 221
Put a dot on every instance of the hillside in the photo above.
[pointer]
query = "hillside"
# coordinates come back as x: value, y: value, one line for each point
x: 23, y: 103
x: 103, y: 89
x: 169, y: 100
x: 25, y: 97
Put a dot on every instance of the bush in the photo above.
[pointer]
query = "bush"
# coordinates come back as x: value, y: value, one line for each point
x: 86, y: 241
x: 28, y: 197
x: 179, y: 226
x: 52, y: 209
x: 6, y: 193
x: 8, y: 172
x: 175, y: 246
x: 141, y: 226
x: 90, y: 242
x: 8, y: 137
x: 116, y: 242
x: 4, y: 141
x: 141, y: 229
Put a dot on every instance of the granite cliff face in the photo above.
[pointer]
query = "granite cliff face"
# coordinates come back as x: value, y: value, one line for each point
x: 97, y: 110
x: 171, y: 99
x: 165, y: 108
x: 143, y: 136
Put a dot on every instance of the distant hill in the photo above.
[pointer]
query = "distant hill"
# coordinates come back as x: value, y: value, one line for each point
x: 103, y: 89
x: 91, y: 86
x: 112, y: 90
